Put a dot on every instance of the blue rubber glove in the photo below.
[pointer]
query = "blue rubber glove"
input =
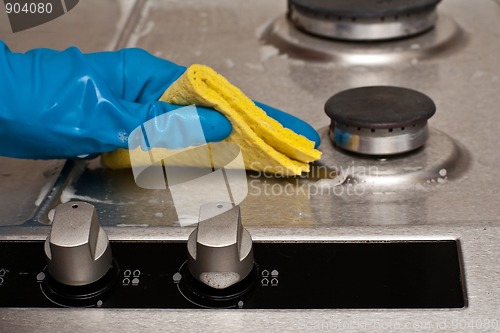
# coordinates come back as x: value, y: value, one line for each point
x: 63, y: 104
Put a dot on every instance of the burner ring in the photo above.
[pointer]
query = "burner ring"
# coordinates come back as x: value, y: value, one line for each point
x: 379, y: 120
x: 363, y: 20
x: 445, y: 39
x: 360, y: 140
x: 442, y: 160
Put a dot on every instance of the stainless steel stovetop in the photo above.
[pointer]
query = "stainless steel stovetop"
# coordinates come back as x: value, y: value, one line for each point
x: 446, y: 190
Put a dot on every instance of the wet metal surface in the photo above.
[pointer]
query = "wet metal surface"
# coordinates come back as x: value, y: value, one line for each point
x: 429, y: 182
x: 448, y: 190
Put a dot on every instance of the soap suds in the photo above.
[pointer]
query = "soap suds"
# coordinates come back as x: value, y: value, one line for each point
x: 51, y: 215
x: 185, y: 221
x: 261, y: 29
x: 141, y: 30
x: 43, y: 192
x: 257, y: 67
x: 69, y: 193
x: 336, y: 181
x: 126, y: 7
x: 267, y: 52
x: 124, y: 225
x: 229, y: 63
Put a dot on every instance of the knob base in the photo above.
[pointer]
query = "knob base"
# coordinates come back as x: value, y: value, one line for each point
x: 206, y: 296
x: 80, y: 296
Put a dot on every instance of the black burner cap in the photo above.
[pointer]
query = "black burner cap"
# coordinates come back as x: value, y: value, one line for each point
x: 363, y: 8
x: 380, y: 107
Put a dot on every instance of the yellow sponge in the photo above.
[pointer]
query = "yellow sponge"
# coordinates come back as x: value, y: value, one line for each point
x: 265, y: 144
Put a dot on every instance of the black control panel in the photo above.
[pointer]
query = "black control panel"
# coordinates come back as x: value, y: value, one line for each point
x: 410, y: 274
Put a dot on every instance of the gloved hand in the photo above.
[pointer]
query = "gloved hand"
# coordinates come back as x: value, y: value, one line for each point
x: 63, y: 104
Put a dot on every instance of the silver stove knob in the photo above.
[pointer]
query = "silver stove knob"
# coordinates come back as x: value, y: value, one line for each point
x: 77, y: 248
x: 220, y: 248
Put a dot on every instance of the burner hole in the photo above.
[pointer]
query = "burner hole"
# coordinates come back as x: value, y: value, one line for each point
x: 382, y: 19
x: 359, y: 128
x: 396, y: 17
x: 339, y: 18
x: 402, y: 128
x: 353, y: 19
x: 390, y: 129
x: 414, y: 125
x: 372, y: 130
x: 74, y: 206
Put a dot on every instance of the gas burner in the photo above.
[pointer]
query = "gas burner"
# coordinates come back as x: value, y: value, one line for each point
x: 380, y: 120
x: 363, y: 20
x: 441, y: 160
x: 377, y: 137
x: 445, y: 38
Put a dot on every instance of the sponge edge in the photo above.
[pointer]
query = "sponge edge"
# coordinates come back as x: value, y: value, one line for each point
x: 201, y: 85
x: 265, y: 144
